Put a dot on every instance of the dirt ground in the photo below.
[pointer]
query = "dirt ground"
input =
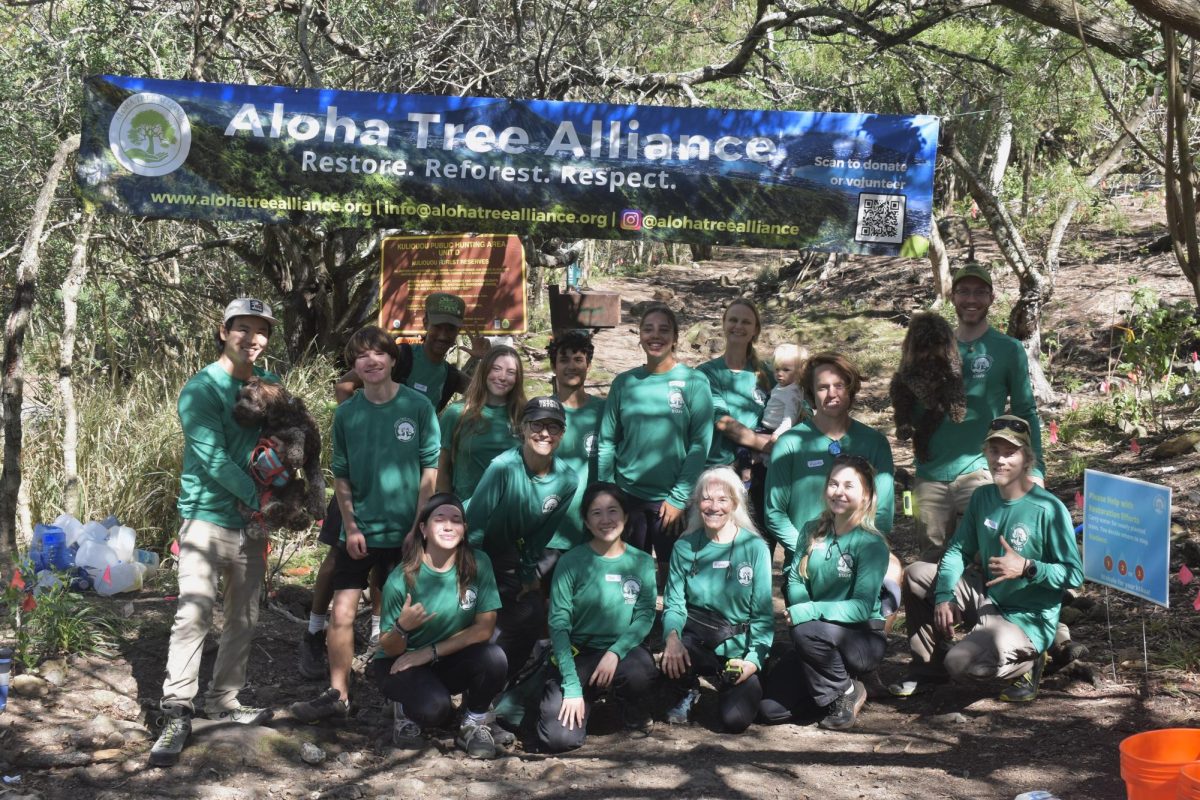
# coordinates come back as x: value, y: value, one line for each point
x: 82, y: 731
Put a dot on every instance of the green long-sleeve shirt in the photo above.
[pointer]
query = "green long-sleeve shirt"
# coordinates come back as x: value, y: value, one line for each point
x: 735, y: 393
x: 799, y: 471
x: 656, y: 433
x: 845, y: 574
x: 216, y: 450
x: 513, y: 509
x: 599, y: 603
x: 438, y: 593
x: 477, y: 444
x: 381, y: 448
x: 733, y: 580
x: 996, y: 379
x: 1038, y: 526
x: 578, y: 451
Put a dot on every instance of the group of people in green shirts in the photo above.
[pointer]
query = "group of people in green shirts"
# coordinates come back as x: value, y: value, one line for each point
x: 506, y: 521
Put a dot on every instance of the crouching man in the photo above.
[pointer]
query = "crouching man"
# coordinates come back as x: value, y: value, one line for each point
x: 1008, y: 605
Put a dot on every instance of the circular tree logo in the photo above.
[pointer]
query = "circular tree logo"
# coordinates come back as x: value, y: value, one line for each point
x: 150, y: 134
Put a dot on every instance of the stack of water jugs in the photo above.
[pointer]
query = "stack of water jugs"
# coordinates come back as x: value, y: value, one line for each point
x: 101, y: 555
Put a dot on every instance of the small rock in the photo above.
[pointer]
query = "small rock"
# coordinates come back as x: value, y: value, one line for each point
x: 26, y: 685
x: 953, y: 718
x: 311, y: 754
x: 103, y: 697
x: 480, y: 790
x: 54, y: 672
x: 350, y: 759
x: 107, y: 755
x: 554, y: 772
x: 410, y: 787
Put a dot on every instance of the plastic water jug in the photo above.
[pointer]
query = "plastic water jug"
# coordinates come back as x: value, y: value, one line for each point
x: 150, y: 559
x: 124, y: 541
x: 94, y: 532
x: 110, y: 522
x: 55, y: 554
x: 72, y: 527
x: 120, y: 578
x: 95, y: 556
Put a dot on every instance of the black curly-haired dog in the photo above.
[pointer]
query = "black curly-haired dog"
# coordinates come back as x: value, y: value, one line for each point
x: 281, y: 415
x: 930, y: 372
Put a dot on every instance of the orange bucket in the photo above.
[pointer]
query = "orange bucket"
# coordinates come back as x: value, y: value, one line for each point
x: 1189, y: 782
x: 1151, y: 761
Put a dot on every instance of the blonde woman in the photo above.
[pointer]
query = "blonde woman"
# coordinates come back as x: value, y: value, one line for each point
x: 833, y: 604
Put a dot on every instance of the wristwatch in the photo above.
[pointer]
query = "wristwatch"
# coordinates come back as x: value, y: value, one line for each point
x: 1030, y: 571
x: 396, y: 629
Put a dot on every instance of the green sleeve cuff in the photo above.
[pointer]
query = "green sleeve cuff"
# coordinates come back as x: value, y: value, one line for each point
x: 802, y: 612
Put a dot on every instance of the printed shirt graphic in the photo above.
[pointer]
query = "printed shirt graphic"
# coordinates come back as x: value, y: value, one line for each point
x: 735, y: 393
x: 1044, y: 524
x: 996, y: 379
x: 712, y: 577
x: 438, y: 592
x: 514, y: 512
x: 656, y: 432
x: 478, y: 444
x: 216, y: 450
x: 599, y: 603
x: 381, y: 449
x: 800, y: 464
x: 578, y: 451
x: 426, y: 377
x: 845, y: 574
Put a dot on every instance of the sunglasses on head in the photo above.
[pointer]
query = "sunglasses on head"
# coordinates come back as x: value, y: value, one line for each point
x: 1016, y: 425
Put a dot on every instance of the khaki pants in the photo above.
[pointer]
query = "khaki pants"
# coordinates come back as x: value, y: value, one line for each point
x: 939, y: 507
x: 993, y: 648
x: 208, y: 553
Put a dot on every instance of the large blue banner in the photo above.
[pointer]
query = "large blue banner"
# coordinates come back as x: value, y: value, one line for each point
x: 859, y: 183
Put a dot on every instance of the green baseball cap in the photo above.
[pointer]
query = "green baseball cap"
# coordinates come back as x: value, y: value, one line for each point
x: 973, y: 269
x: 1009, y: 428
x: 443, y: 308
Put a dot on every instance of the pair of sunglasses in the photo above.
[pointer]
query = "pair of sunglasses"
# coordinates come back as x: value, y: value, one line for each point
x: 1015, y: 425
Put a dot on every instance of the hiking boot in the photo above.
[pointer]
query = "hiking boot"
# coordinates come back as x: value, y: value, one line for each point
x: 681, y: 712
x: 476, y: 740
x: 242, y: 715
x: 312, y: 662
x: 405, y: 733
x: 327, y: 705
x: 843, y: 712
x: 177, y: 727
x: 1025, y: 688
x: 636, y: 718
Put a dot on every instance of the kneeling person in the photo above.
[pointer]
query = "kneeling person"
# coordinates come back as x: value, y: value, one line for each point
x: 439, y: 611
x: 601, y: 608
x: 1026, y: 545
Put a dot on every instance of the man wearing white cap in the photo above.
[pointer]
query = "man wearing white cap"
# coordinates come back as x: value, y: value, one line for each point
x: 216, y: 539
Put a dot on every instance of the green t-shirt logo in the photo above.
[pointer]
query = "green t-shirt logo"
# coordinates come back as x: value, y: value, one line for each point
x: 589, y: 445
x: 745, y: 573
x: 468, y: 599
x: 550, y: 503
x: 406, y: 429
x: 1017, y: 537
x: 845, y: 565
x: 630, y: 590
x: 980, y: 365
x: 675, y: 400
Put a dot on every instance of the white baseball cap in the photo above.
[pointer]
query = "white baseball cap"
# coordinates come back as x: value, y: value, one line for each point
x: 249, y: 307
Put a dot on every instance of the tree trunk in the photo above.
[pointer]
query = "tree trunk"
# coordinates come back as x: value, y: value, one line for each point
x: 1003, y: 150
x: 66, y: 364
x: 701, y: 252
x: 12, y: 377
x: 940, y: 260
x: 1035, y: 284
x: 1180, y: 186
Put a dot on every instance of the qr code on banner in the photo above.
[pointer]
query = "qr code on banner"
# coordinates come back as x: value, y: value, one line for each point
x: 880, y: 218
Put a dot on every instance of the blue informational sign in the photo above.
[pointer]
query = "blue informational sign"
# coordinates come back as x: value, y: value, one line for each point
x: 1127, y: 535
x: 857, y: 183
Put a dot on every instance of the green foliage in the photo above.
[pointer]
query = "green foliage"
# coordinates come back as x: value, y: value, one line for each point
x: 1149, y: 352
x: 62, y: 623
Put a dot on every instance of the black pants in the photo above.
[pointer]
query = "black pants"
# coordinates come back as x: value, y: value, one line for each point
x: 645, y: 532
x: 520, y: 621
x: 475, y: 672
x: 758, y: 503
x: 827, y: 657
x: 737, y: 704
x: 631, y: 683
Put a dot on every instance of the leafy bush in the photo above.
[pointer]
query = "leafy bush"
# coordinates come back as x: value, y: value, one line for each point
x: 62, y: 623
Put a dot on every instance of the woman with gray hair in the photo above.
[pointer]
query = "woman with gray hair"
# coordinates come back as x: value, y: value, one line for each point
x: 717, y: 618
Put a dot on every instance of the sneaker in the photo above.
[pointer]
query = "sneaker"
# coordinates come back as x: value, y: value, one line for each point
x: 681, y: 712
x: 242, y: 715
x: 326, y: 705
x: 476, y: 740
x: 405, y: 733
x: 313, y: 664
x: 914, y: 683
x: 843, y: 712
x: 1025, y: 688
x: 177, y: 727
x: 501, y: 735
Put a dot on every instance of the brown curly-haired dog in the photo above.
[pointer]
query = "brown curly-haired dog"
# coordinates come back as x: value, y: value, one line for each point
x: 930, y: 372
x: 285, y: 417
